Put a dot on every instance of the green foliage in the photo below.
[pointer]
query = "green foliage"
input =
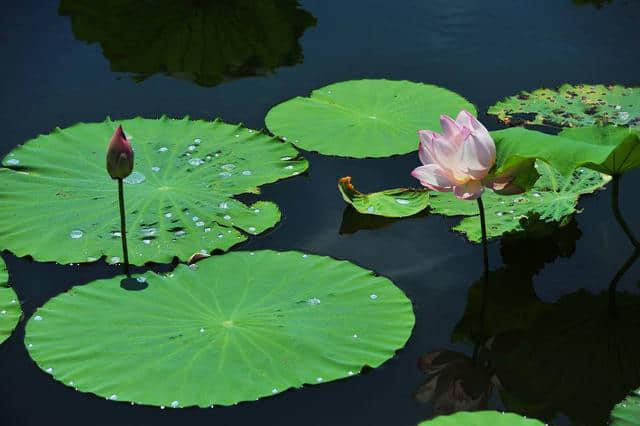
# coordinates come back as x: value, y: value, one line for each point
x: 573, y: 106
x: 238, y: 327
x: 9, y: 306
x: 207, y: 42
x: 364, y: 118
x: 481, y: 418
x: 627, y: 412
x: 623, y: 145
x: 553, y: 198
x: 57, y: 201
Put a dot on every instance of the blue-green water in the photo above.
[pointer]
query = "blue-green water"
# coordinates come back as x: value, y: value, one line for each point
x: 55, y: 73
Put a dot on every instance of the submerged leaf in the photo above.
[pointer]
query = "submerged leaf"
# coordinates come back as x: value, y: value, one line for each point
x: 238, y: 327
x: 552, y: 199
x: 58, y: 203
x: 364, y: 118
x: 481, y: 418
x: 10, y: 311
x: 574, y: 106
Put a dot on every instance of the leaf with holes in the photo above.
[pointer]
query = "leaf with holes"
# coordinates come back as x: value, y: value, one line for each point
x: 627, y: 412
x: 553, y: 198
x: 364, y: 118
x: 9, y: 306
x: 239, y: 327
x: 57, y: 202
x: 481, y: 418
x: 573, y: 106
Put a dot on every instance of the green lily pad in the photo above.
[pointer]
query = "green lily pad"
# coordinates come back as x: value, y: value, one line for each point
x: 623, y: 143
x: 627, y: 412
x: 364, y: 118
x: 206, y: 42
x: 553, y: 198
x: 481, y: 418
x: 239, y: 327
x: 573, y: 106
x: 9, y: 306
x: 59, y: 203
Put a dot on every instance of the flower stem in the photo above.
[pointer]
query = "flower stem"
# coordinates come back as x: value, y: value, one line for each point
x: 485, y: 271
x: 123, y: 229
x: 613, y: 286
x: 615, y: 205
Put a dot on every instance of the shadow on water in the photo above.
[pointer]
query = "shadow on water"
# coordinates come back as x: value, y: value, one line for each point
x: 204, y: 41
x: 576, y: 357
x: 597, y: 3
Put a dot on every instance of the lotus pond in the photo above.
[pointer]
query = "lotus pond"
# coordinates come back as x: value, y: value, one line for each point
x: 286, y: 268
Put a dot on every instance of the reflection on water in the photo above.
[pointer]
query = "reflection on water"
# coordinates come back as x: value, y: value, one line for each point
x: 597, y: 3
x: 577, y: 357
x: 205, y: 41
x: 354, y: 221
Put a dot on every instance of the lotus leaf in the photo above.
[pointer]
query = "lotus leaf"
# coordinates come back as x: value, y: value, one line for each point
x: 57, y: 202
x: 238, y: 327
x: 9, y: 306
x: 481, y: 418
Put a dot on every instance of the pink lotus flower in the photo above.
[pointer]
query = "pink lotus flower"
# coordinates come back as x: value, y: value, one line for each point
x: 119, y: 155
x: 459, y: 159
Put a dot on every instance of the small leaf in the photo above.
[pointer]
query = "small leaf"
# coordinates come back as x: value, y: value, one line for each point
x: 481, y: 418
x: 401, y: 202
x: 10, y: 311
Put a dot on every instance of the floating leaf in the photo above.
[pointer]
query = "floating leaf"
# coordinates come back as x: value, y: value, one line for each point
x: 9, y: 306
x: 239, y: 327
x: 581, y: 105
x: 203, y: 41
x: 552, y: 199
x: 57, y: 201
x: 364, y: 118
x: 627, y: 412
x: 481, y: 418
x: 623, y: 143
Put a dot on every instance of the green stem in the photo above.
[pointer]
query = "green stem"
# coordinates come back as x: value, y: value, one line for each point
x: 123, y: 229
x: 485, y: 272
x: 615, y: 205
x: 613, y: 286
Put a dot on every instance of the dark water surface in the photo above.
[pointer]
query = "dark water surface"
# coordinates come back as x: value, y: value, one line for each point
x: 62, y: 64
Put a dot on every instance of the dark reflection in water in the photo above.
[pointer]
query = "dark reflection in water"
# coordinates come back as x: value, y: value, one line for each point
x: 576, y: 357
x: 597, y: 3
x: 353, y: 221
x: 205, y: 41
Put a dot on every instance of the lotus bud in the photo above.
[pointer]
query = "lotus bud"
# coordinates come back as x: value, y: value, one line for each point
x: 119, y: 155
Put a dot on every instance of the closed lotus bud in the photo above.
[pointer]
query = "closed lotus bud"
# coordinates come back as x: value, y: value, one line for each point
x: 119, y: 155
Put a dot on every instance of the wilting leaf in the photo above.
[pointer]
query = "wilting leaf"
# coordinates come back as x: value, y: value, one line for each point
x: 581, y: 105
x: 9, y: 306
x: 57, y: 201
x: 553, y: 198
x: 203, y: 41
x: 364, y: 118
x: 627, y: 412
x: 482, y: 418
x: 239, y: 327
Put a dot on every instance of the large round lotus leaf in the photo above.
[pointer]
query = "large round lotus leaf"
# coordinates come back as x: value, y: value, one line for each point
x: 239, y: 327
x: 581, y: 105
x: 9, y: 306
x: 627, y: 413
x: 204, y: 41
x: 58, y: 202
x: 481, y: 418
x: 364, y: 118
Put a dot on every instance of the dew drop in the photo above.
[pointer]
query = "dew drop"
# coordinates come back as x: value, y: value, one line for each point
x: 246, y: 172
x: 207, y: 229
x: 197, y: 141
x: 252, y: 229
x: 224, y: 174
x: 180, y: 233
x: 199, y: 223
x: 135, y: 178
x: 37, y: 318
x: 174, y: 404
x: 13, y: 161
x: 196, y: 161
x: 274, y: 390
x: 289, y: 167
x: 76, y: 233
x: 115, y: 259
x: 163, y: 149
x: 371, y: 209
x: 202, y: 330
x: 351, y: 373
x: 162, y: 407
x: 223, y: 205
x: 141, y: 279
x: 499, y: 213
x: 237, y: 136
x: 192, y: 148
x: 285, y: 158
x: 373, y: 296
x: 116, y: 234
x: 3, y: 312
x: 195, y: 218
x: 113, y: 397
x: 256, y: 211
x: 49, y: 370
x: 402, y: 201
x: 228, y: 167
x: 168, y: 215
x: 146, y: 242
x: 304, y: 256
x: 313, y: 301
x: 537, y: 194
x: 220, y: 236
x: 155, y: 169
x: 319, y: 379
x: 355, y: 336
x: 227, y: 217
